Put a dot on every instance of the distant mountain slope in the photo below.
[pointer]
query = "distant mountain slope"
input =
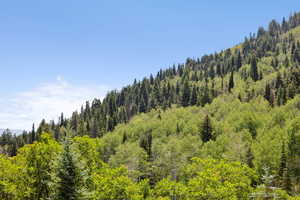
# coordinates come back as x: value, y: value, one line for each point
x: 268, y: 60
x: 252, y: 132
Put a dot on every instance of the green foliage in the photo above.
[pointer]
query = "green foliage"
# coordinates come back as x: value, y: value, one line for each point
x: 39, y: 164
x: 133, y: 157
x: 72, y: 176
x: 167, y: 189
x: 8, y: 182
x: 211, y: 179
x: 114, y: 184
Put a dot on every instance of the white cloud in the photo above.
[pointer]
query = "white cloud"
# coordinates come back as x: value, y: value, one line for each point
x: 46, y: 101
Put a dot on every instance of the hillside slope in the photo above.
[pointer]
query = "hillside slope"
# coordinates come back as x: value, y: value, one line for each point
x: 226, y: 126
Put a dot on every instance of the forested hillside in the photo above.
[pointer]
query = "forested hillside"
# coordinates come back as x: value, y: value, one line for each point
x: 223, y: 126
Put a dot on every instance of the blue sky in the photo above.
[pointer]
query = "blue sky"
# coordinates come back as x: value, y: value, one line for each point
x: 55, y: 54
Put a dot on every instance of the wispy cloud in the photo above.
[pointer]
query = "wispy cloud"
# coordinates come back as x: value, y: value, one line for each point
x: 46, y: 101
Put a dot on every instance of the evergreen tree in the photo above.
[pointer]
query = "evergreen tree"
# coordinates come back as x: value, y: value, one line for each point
x: 13, y: 146
x: 144, y: 95
x: 194, y: 96
x: 253, y: 69
x: 231, y: 82
x: 279, y: 82
x: 62, y: 120
x: 218, y: 70
x: 71, y: 184
x: 82, y: 130
x: 211, y: 72
x: 261, y: 31
x: 206, y: 129
x: 281, y: 96
x: 33, y: 134
x: 185, y: 100
x: 146, y: 143
x: 124, y: 139
x: 269, y: 95
x: 239, y: 61
x: 57, y: 133
x: 205, y: 98
x: 75, y: 121
x: 87, y: 111
x: 142, y: 105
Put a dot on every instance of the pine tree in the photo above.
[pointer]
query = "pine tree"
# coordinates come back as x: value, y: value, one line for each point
x: 146, y: 143
x: 211, y: 72
x: 13, y: 146
x: 279, y: 82
x: 185, y: 100
x: 87, y: 112
x: 281, y: 96
x: 194, y: 96
x: 142, y: 105
x: 206, y: 129
x: 144, y: 95
x: 124, y: 139
x: 205, y: 96
x: 33, y: 135
x: 71, y: 184
x: 57, y: 133
x: 231, y: 82
x: 82, y: 130
x: 253, y: 69
x: 218, y: 70
x: 261, y: 31
x: 239, y: 61
x: 75, y: 121
x: 62, y: 120
x: 269, y: 95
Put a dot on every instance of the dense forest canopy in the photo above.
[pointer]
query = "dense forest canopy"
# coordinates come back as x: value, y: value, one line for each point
x: 224, y: 126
